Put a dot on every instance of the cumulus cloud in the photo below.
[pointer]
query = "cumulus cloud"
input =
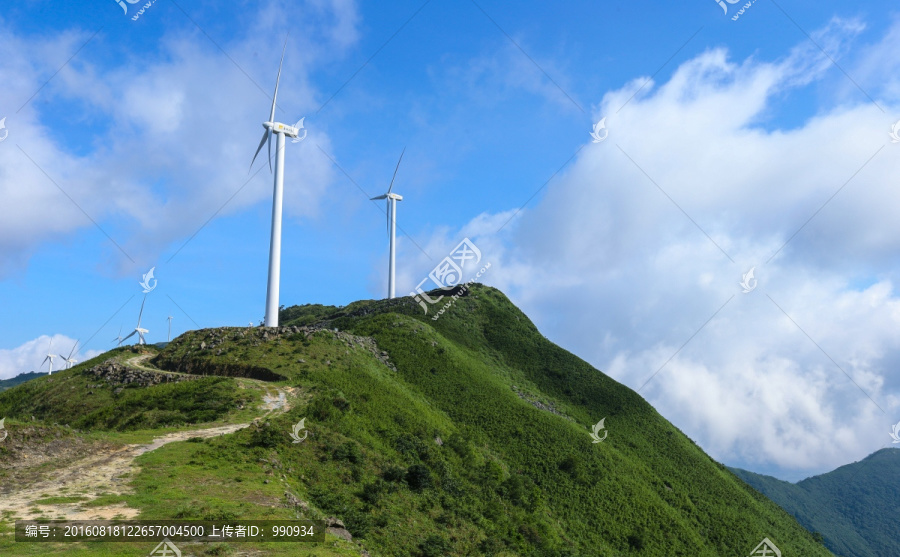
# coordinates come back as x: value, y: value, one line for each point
x: 173, y: 131
x: 634, y: 256
x: 30, y: 355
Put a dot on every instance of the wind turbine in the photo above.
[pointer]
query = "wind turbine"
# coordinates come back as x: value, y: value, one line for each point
x: 391, y: 200
x: 140, y: 332
x: 69, y: 360
x: 49, y: 356
x: 280, y: 131
x: 119, y: 338
x: 169, y: 339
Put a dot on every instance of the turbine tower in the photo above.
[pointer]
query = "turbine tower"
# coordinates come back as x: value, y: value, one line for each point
x: 49, y: 357
x: 280, y: 131
x: 390, y: 202
x: 69, y: 360
x: 140, y: 332
x: 169, y: 339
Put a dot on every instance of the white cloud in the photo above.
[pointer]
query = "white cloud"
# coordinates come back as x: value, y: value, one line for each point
x: 30, y: 355
x: 609, y: 266
x: 173, y: 127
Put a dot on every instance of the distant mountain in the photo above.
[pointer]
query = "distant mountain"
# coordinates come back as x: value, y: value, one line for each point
x: 856, y: 508
x: 19, y: 379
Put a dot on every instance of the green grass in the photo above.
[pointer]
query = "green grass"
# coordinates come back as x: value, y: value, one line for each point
x: 853, y: 507
x: 81, y: 400
x: 507, y: 478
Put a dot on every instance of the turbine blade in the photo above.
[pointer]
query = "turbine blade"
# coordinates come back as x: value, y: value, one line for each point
x: 278, y: 79
x: 395, y: 171
x: 73, y: 350
x: 387, y: 212
x: 379, y: 197
x: 270, y: 148
x: 142, y: 311
x: 258, y: 149
x: 128, y: 337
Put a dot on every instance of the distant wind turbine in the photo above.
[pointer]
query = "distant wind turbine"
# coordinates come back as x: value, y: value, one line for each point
x: 119, y: 338
x: 169, y: 339
x: 49, y: 357
x: 280, y: 131
x: 140, y: 332
x: 391, y: 200
x: 69, y: 360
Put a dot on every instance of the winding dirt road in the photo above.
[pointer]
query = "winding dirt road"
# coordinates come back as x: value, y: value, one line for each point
x: 108, y: 471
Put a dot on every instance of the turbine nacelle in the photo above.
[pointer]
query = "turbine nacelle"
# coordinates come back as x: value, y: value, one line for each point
x: 278, y: 127
x: 395, y: 196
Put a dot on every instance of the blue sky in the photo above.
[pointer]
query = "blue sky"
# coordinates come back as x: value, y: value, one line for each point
x: 758, y: 142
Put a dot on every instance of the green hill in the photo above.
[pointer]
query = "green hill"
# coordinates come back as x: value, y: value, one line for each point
x: 854, y: 507
x: 465, y: 435
x: 19, y: 379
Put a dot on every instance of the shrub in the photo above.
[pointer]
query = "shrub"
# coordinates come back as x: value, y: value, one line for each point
x: 418, y: 477
x: 434, y: 546
x: 350, y: 452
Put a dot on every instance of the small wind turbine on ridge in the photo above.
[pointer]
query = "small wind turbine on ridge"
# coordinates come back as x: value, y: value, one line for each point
x: 391, y: 200
x: 69, y: 360
x: 280, y: 131
x: 140, y: 332
x: 119, y: 338
x: 49, y: 357
x: 169, y: 338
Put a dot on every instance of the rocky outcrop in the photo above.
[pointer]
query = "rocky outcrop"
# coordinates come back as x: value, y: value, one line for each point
x: 117, y: 374
x: 336, y: 527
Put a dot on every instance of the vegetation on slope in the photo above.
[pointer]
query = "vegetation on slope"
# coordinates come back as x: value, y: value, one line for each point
x: 81, y: 400
x: 467, y: 435
x: 854, y: 507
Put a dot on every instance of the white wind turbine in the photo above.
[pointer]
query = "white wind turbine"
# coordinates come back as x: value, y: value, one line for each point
x: 119, y: 338
x: 391, y: 200
x: 169, y: 339
x: 49, y: 357
x: 140, y: 332
x: 69, y: 360
x: 280, y: 131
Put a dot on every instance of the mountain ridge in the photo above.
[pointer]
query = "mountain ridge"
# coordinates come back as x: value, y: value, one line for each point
x: 469, y: 434
x: 853, y: 507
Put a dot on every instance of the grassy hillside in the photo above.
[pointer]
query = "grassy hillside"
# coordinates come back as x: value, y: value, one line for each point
x: 468, y: 435
x: 854, y: 507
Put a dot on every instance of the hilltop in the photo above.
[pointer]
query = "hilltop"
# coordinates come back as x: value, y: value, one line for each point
x: 465, y: 435
x: 853, y: 507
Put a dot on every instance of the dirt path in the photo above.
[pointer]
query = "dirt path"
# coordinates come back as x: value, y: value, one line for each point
x: 108, y: 472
